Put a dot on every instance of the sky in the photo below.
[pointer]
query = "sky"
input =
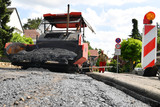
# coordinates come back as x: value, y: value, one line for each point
x: 110, y: 19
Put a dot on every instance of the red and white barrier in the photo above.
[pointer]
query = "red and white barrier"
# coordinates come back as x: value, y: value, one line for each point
x: 149, y: 46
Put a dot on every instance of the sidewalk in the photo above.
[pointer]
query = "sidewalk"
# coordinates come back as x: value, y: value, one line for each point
x: 146, y: 89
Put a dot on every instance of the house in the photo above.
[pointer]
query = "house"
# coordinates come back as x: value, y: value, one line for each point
x: 15, y: 21
x: 92, y: 57
x: 31, y: 33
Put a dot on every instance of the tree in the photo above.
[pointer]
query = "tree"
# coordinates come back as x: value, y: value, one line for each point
x: 158, y: 39
x: 21, y: 39
x: 5, y: 31
x: 32, y: 23
x: 131, y: 51
x: 99, y: 51
x: 135, y: 32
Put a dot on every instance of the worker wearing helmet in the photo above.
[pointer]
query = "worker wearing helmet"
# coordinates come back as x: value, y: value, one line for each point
x: 102, y: 62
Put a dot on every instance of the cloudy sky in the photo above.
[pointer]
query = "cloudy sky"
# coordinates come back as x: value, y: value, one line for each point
x: 110, y: 19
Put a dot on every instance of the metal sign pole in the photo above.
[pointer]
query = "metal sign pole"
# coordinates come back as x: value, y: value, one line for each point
x: 118, y: 50
x: 117, y: 63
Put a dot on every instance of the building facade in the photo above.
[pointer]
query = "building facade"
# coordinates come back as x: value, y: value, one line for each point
x: 15, y: 21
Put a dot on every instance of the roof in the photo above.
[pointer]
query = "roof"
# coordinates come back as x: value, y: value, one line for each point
x: 93, y: 52
x: 31, y: 33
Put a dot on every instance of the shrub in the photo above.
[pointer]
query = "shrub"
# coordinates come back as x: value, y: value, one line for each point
x: 22, y: 39
x: 125, y: 67
x: 113, y: 63
x: 97, y: 63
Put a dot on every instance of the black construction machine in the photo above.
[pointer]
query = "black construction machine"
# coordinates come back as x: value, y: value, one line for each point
x: 59, y: 47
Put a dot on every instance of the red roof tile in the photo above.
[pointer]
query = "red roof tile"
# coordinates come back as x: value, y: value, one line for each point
x: 31, y: 33
x: 93, y: 52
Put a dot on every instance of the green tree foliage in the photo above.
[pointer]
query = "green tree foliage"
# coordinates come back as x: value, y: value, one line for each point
x: 114, y: 65
x: 131, y: 51
x: 99, y: 51
x: 158, y: 32
x: 98, y: 60
x: 97, y: 63
x: 5, y: 31
x: 158, y: 39
x: 135, y: 32
x: 32, y: 23
x: 22, y: 39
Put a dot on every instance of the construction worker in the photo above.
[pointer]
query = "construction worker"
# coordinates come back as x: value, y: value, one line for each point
x: 103, y: 57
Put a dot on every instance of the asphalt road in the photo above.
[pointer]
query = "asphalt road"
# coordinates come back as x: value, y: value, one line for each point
x: 42, y: 88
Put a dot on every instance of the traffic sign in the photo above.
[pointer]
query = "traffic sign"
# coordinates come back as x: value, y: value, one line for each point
x: 118, y: 46
x: 117, y: 51
x: 118, y: 40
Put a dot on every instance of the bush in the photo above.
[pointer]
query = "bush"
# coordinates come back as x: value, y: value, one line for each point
x: 121, y: 68
x: 97, y: 63
x: 113, y: 63
x: 22, y: 39
x: 4, y: 38
x: 125, y: 67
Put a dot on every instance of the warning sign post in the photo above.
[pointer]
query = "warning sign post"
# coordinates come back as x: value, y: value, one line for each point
x: 117, y: 49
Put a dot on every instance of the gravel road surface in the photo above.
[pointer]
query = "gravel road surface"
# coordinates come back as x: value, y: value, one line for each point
x: 42, y: 88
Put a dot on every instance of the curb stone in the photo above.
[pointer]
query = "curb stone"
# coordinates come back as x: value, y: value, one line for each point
x: 141, y: 93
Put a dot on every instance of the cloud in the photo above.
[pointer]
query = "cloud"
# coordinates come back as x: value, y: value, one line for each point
x: 120, y: 20
x: 45, y: 3
x: 61, y: 3
x: 109, y: 2
x: 108, y: 24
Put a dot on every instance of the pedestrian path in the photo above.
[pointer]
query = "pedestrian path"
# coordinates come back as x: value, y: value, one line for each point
x: 146, y: 89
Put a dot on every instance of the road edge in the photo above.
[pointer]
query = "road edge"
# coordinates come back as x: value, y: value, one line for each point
x: 141, y: 94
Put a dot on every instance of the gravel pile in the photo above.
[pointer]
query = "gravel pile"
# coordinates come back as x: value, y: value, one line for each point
x: 42, y: 88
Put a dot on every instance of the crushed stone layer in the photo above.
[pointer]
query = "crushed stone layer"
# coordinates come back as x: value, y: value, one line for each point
x: 147, y: 87
x: 42, y: 88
